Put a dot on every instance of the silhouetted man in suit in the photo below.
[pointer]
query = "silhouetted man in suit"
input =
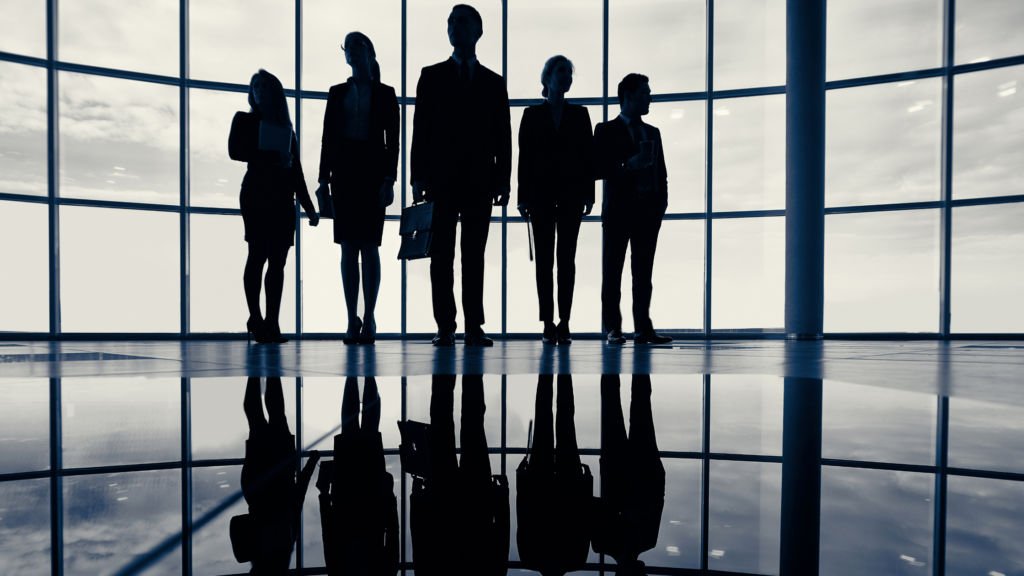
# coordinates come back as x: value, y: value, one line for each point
x: 461, y: 160
x: 460, y: 516
x: 636, y: 196
x: 632, y: 477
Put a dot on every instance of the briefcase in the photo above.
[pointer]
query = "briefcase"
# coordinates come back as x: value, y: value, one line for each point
x: 417, y: 232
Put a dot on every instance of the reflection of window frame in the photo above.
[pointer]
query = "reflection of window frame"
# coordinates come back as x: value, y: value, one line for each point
x: 948, y: 72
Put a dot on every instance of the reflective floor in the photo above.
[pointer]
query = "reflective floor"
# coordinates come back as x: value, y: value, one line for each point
x: 679, y: 468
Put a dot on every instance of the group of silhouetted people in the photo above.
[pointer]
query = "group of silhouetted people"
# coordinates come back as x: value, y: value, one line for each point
x: 461, y: 160
x: 460, y: 521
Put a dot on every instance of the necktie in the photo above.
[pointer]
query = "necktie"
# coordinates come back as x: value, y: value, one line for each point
x: 464, y: 74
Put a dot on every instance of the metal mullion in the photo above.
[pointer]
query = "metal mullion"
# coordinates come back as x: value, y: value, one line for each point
x: 53, y: 167
x: 604, y: 118
x: 186, y: 472
x: 504, y: 209
x: 401, y: 470
x: 403, y: 190
x: 946, y: 176
x: 504, y: 413
x: 184, y: 170
x: 56, y: 482
x: 705, y: 472
x: 298, y: 211
x: 941, y: 462
x: 708, y: 159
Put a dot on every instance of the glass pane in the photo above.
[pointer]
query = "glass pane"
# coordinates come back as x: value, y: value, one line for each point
x: 988, y: 128
x: 877, y: 424
x: 23, y: 28
x: 137, y: 36
x: 882, y: 143
x: 219, y: 427
x: 427, y: 38
x: 988, y: 29
x: 746, y: 414
x: 986, y: 436
x: 750, y: 44
x: 748, y: 276
x: 323, y: 295
x: 321, y: 409
x: 312, y: 531
x: 118, y: 139
x: 881, y: 271
x: 25, y: 531
x: 521, y: 401
x: 114, y: 422
x: 876, y: 521
x: 229, y: 40
x: 24, y: 250
x: 24, y: 427
x: 214, y: 178
x: 871, y: 37
x: 211, y: 546
x: 419, y: 309
x: 312, y: 133
x: 749, y: 154
x: 23, y: 140
x: 323, y: 61
x: 745, y: 499
x: 984, y: 520
x: 664, y: 40
x: 133, y: 511
x: 988, y: 268
x: 111, y: 257
x: 683, y: 136
x: 679, y: 536
x: 678, y: 298
x: 417, y: 406
x: 538, y: 30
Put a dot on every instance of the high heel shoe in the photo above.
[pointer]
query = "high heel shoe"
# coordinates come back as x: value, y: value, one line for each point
x: 256, y: 330
x: 372, y: 338
x: 274, y: 335
x: 352, y: 336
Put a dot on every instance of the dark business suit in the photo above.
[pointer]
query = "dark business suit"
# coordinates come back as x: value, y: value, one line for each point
x: 556, y: 177
x: 630, y: 216
x: 462, y: 150
x: 356, y: 169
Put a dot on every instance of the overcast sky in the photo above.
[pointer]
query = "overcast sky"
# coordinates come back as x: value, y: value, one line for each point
x: 119, y: 140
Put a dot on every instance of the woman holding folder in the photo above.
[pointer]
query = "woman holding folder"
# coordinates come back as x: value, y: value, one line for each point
x: 556, y: 189
x: 358, y: 165
x: 264, y: 139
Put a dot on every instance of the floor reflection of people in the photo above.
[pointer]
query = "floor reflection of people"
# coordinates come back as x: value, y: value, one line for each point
x: 554, y: 489
x: 266, y: 535
x: 460, y: 516
x: 358, y: 509
x: 632, y: 477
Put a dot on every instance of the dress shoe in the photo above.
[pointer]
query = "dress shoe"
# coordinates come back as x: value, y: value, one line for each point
x: 444, y: 338
x: 477, y: 338
x: 352, y: 336
x: 549, y: 336
x: 368, y: 334
x: 615, y: 337
x: 564, y: 336
x: 650, y: 337
x: 255, y: 329
x: 274, y: 333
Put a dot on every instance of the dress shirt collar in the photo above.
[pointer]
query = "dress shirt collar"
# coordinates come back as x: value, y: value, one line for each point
x: 458, y: 63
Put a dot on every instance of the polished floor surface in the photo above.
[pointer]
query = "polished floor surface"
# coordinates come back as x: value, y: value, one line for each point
x: 985, y: 370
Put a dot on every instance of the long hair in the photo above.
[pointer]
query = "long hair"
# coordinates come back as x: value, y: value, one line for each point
x: 549, y: 67
x: 374, y: 66
x: 280, y: 103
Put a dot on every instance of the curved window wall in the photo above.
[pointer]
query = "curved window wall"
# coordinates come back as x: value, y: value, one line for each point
x: 116, y: 178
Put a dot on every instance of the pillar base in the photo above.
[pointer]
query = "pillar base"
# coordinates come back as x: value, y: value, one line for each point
x: 802, y: 336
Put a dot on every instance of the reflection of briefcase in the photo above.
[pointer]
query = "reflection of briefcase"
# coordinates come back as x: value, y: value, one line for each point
x: 417, y: 232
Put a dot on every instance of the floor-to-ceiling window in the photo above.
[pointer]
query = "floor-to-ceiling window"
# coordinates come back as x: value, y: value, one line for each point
x: 118, y: 203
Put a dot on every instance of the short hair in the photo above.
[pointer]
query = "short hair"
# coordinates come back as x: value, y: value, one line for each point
x: 476, y: 15
x: 629, y: 84
x: 549, y: 67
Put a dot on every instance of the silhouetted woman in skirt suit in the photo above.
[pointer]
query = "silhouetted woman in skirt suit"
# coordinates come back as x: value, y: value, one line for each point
x: 267, y: 200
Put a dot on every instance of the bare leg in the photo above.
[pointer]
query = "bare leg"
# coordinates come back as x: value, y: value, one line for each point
x: 371, y: 282
x: 274, y: 283
x: 350, y: 278
x: 252, y: 278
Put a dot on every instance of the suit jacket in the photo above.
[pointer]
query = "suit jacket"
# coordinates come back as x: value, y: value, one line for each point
x: 613, y: 146
x: 384, y: 136
x: 556, y: 166
x: 461, y: 142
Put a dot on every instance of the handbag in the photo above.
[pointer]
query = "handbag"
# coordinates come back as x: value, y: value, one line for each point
x: 417, y: 232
